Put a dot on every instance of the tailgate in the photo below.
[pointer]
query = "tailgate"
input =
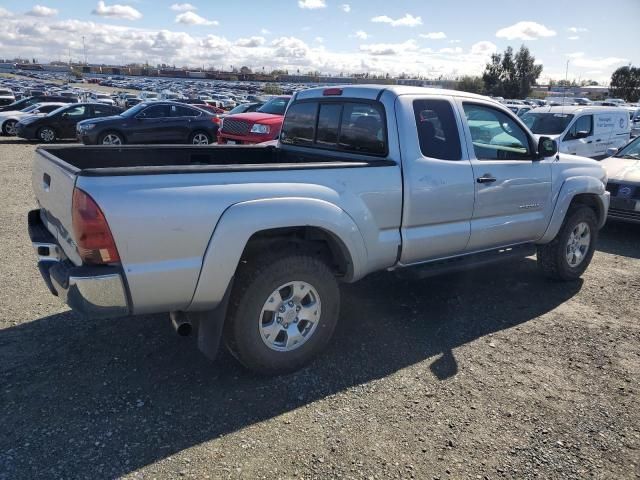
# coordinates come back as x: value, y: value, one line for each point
x: 53, y: 182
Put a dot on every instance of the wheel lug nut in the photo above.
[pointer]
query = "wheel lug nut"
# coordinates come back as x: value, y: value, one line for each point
x: 296, y: 320
x: 298, y: 308
x: 286, y: 325
x: 282, y: 309
x: 279, y: 320
x: 290, y: 303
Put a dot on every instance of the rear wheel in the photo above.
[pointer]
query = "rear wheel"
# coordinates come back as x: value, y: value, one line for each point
x: 568, y: 255
x: 282, y: 312
x: 47, y: 135
x: 200, y: 138
x: 111, y: 138
x: 9, y: 128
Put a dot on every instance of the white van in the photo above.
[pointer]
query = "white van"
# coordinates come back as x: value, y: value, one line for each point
x: 584, y: 131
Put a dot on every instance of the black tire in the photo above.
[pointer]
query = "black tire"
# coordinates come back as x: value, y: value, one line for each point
x: 254, y: 283
x: 6, y: 125
x: 552, y: 257
x: 193, y: 135
x: 46, y: 134
x: 107, y: 134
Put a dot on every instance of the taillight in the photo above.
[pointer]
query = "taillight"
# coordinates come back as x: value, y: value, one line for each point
x: 330, y: 92
x: 216, y: 120
x: 93, y: 237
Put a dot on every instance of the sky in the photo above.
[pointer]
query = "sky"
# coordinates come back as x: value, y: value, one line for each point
x: 418, y: 37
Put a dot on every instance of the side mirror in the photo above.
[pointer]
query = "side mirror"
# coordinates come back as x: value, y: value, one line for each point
x: 547, y: 147
x: 611, y: 151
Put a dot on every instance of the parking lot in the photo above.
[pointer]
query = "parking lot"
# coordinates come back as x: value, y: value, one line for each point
x: 496, y: 373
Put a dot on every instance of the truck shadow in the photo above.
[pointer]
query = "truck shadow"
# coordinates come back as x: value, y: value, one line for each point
x: 101, y: 399
x: 619, y: 238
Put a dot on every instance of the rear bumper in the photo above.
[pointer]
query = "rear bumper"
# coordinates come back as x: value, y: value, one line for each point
x: 91, y: 291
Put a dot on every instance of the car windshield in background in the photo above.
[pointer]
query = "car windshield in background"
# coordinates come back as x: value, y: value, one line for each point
x: 275, y: 106
x: 547, y: 123
x: 630, y: 151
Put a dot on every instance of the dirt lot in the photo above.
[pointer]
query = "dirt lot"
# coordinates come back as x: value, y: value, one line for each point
x: 494, y: 374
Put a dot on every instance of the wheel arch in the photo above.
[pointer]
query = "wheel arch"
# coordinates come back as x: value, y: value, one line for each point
x: 112, y: 130
x: 583, y: 190
x: 246, y: 227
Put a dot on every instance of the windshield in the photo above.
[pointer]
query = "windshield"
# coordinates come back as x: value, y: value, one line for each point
x: 275, y: 106
x: 630, y: 151
x: 547, y: 123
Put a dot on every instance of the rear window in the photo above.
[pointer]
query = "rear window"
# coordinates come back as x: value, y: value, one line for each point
x: 346, y: 126
x: 437, y: 129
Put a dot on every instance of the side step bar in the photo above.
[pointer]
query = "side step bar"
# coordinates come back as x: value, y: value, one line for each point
x: 466, y: 262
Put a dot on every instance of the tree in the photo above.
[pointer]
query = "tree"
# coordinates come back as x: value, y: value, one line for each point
x: 510, y: 75
x: 272, y: 89
x: 245, y: 70
x: 527, y: 72
x: 470, y: 84
x: 625, y: 83
x: 492, y: 76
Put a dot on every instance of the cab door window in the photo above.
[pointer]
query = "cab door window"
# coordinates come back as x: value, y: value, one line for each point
x: 581, y: 128
x: 495, y: 135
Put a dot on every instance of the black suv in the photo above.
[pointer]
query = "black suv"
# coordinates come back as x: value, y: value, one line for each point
x: 152, y: 122
x: 27, y: 102
x: 61, y: 123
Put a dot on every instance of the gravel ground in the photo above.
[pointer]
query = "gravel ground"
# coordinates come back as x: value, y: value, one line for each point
x: 492, y: 374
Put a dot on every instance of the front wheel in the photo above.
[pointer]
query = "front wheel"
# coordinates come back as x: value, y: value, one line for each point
x: 568, y: 255
x: 111, y: 138
x: 9, y: 128
x: 282, y: 312
x: 47, y: 135
x: 199, y: 138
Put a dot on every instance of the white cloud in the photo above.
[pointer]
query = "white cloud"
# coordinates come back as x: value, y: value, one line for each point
x: 183, y: 7
x: 264, y: 31
x: 4, y: 13
x: 525, y: 31
x: 455, y: 50
x: 191, y: 18
x: 42, y: 11
x: 483, y: 48
x: 577, y: 29
x: 455, y: 41
x: 579, y: 59
x: 361, y: 34
x: 407, y: 21
x: 389, y: 48
x: 312, y: 4
x: 346, y: 8
x: 434, y: 35
x: 125, y: 12
x: 319, y: 39
x: 573, y: 37
x: 251, y: 42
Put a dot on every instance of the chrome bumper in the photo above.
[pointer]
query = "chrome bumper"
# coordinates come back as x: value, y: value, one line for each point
x: 91, y: 291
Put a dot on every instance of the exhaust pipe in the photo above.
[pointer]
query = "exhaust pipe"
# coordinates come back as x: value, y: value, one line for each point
x: 181, y: 323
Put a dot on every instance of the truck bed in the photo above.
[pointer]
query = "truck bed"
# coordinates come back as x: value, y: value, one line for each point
x: 164, y: 159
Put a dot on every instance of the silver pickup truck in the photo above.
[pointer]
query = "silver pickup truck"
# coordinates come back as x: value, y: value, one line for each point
x: 249, y: 243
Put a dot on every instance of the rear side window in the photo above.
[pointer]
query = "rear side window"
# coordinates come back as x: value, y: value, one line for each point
x: 180, y: 111
x: 437, y: 130
x: 300, y: 123
x: 349, y: 126
x: 103, y: 111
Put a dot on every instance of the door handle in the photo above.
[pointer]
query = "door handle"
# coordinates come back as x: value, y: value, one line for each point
x: 486, y: 178
x: 590, y: 141
x: 599, y: 140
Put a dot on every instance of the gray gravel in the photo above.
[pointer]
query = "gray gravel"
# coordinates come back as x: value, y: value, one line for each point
x: 492, y: 374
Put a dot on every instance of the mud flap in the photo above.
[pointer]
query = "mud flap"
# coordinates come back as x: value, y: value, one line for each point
x: 210, y: 326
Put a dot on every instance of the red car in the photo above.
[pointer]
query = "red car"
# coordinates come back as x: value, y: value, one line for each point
x: 255, y: 127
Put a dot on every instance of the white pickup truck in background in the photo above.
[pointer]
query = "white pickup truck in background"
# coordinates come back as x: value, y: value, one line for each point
x: 250, y: 243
